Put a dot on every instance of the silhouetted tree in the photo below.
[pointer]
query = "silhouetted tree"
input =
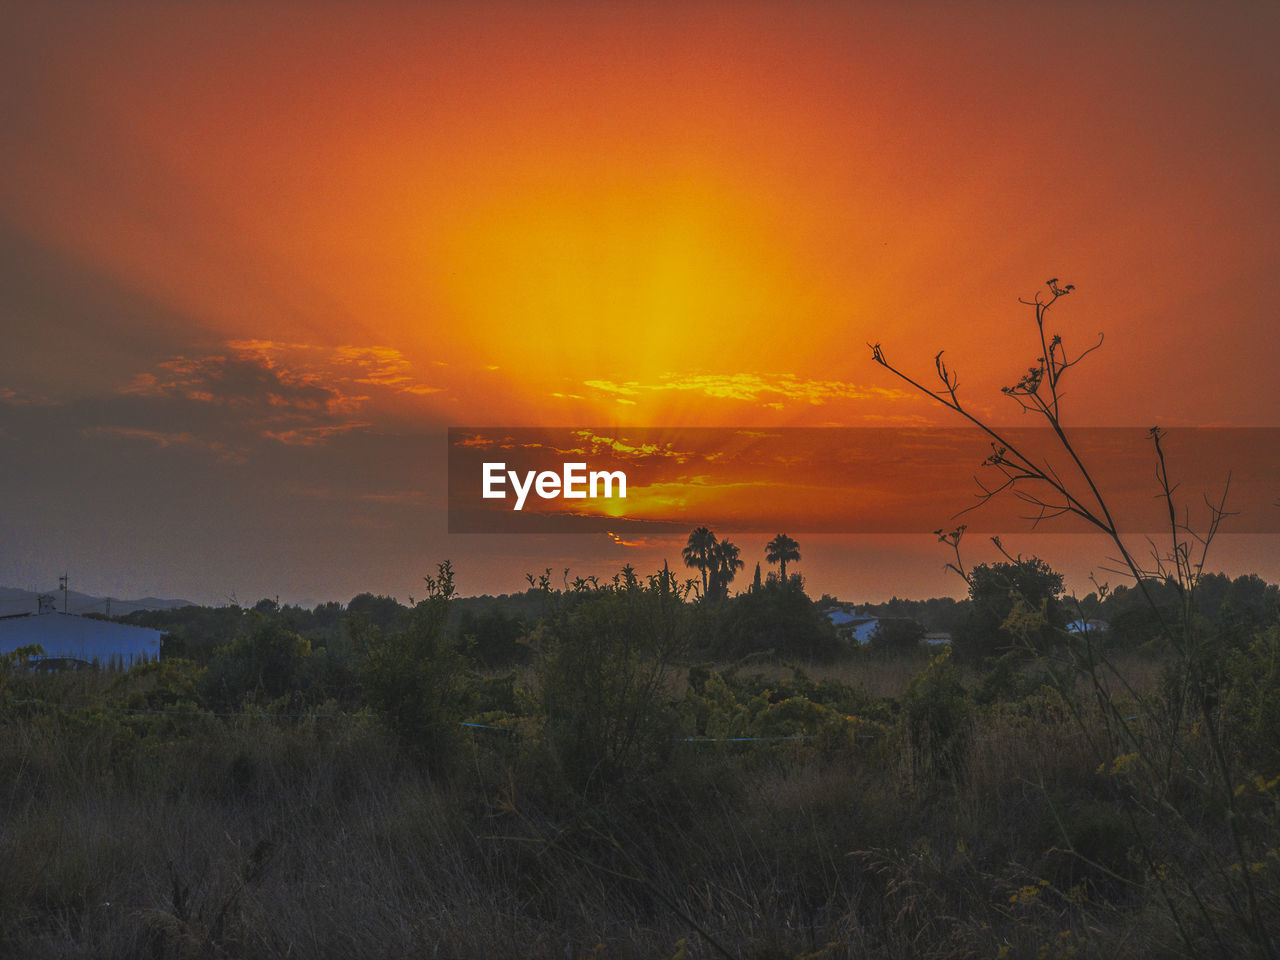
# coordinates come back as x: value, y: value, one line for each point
x: 778, y: 617
x: 781, y: 549
x: 380, y: 612
x: 897, y: 635
x: 725, y: 563
x: 697, y: 554
x: 995, y: 589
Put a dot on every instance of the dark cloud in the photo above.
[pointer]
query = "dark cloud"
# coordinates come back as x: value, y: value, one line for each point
x: 246, y: 384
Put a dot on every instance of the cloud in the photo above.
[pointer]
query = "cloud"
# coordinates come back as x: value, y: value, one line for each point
x: 21, y: 399
x: 626, y: 449
x: 241, y: 383
x: 608, y: 386
x: 164, y: 439
x: 312, y: 436
x: 295, y: 394
x: 375, y: 365
x: 753, y: 388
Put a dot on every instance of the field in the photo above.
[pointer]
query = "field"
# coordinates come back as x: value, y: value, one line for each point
x: 614, y: 796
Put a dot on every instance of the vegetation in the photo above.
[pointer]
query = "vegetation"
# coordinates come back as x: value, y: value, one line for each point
x: 698, y: 553
x: 644, y: 779
x: 1192, y: 770
x: 995, y: 592
x: 717, y: 560
x: 644, y: 767
x: 780, y: 550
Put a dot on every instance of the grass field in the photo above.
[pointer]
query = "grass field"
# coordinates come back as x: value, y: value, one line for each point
x: 879, y: 808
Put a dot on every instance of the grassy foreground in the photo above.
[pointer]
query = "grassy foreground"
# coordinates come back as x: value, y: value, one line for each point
x: 615, y: 802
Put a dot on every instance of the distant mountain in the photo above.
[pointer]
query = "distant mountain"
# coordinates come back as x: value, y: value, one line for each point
x: 14, y: 601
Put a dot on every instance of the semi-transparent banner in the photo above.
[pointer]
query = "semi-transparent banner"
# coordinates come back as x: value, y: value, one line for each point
x: 855, y: 480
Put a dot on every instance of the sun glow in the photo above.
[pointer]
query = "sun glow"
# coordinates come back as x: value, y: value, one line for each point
x: 628, y: 284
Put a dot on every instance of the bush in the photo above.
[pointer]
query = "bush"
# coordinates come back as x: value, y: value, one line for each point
x: 936, y: 710
x: 603, y: 678
x: 1000, y: 590
x: 416, y: 678
x: 493, y: 638
x: 262, y: 665
x: 1251, y: 705
x: 778, y: 617
x: 897, y: 636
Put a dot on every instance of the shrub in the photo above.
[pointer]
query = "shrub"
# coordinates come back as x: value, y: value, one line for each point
x: 493, y: 638
x: 779, y: 617
x: 603, y: 679
x: 1001, y: 590
x: 937, y: 714
x: 264, y: 664
x: 897, y: 636
x: 1251, y: 705
x: 415, y: 677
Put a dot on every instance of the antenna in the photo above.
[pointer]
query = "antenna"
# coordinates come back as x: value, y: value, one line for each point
x: 62, y: 585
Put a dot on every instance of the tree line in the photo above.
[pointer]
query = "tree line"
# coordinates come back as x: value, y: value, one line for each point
x: 720, y: 560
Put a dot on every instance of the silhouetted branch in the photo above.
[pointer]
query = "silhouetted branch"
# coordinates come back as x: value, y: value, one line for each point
x: 1160, y: 741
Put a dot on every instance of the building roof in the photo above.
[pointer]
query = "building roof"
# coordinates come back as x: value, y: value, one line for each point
x: 841, y: 617
x: 80, y: 638
x: 1091, y: 626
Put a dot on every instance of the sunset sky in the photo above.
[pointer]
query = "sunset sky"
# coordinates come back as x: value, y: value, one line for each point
x: 257, y: 258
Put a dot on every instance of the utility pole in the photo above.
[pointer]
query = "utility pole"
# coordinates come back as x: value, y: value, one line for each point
x: 62, y: 585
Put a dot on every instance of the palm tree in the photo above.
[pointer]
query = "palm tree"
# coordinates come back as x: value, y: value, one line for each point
x: 697, y: 552
x: 779, y: 550
x: 724, y: 565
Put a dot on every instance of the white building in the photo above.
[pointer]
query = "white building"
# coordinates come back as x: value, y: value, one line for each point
x: 853, y: 626
x: 67, y: 636
x: 1089, y: 627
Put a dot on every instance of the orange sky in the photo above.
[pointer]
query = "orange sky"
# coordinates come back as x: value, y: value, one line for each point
x: 286, y: 245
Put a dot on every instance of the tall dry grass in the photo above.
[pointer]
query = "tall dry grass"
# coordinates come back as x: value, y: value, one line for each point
x: 182, y: 834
